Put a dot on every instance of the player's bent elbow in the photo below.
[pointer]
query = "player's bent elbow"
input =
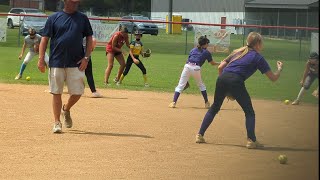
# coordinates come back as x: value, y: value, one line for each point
x: 273, y: 77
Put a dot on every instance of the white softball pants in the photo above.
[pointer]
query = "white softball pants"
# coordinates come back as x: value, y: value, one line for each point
x: 190, y: 70
x: 30, y: 55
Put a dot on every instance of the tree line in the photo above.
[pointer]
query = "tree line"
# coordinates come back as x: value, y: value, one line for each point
x: 116, y: 7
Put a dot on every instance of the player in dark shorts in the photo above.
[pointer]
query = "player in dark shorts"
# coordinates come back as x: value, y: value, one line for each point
x: 136, y: 48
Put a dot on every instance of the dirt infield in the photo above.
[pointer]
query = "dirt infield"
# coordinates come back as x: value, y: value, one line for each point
x: 134, y: 135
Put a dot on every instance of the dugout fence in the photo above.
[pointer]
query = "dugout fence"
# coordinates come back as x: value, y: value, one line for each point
x: 289, y: 43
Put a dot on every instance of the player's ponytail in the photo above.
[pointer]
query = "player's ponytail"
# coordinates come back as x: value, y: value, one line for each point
x: 203, y: 40
x: 253, y: 39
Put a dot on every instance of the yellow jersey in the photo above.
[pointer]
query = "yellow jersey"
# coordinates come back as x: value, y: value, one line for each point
x: 136, y: 47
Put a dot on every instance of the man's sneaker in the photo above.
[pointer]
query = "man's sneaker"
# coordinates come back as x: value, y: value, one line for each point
x: 207, y: 105
x: 200, y: 139
x: 253, y: 145
x: 146, y: 85
x: 115, y: 80
x: 118, y: 83
x: 67, y: 118
x: 57, y: 127
x: 18, y: 77
x: 172, y: 105
x: 96, y: 95
x: 295, y: 102
x: 107, y: 84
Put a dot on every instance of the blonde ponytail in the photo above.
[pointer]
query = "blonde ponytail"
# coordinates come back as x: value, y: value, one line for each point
x: 253, y: 39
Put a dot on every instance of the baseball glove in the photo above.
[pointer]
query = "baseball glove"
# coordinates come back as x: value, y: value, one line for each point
x: 147, y: 53
x: 36, y: 48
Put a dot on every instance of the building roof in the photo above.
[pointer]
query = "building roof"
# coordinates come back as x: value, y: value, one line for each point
x: 285, y: 4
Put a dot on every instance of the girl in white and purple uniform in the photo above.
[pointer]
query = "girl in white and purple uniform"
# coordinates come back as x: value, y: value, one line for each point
x: 234, y: 70
x: 197, y: 58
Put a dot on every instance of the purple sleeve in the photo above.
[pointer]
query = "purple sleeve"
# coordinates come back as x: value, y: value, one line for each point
x: 263, y: 65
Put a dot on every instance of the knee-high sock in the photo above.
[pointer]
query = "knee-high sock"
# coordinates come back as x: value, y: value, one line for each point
x: 205, y: 96
x: 301, y: 93
x: 22, y: 68
x: 176, y: 96
x: 121, y: 78
x: 145, y: 78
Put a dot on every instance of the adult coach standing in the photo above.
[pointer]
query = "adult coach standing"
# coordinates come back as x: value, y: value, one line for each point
x: 68, y: 60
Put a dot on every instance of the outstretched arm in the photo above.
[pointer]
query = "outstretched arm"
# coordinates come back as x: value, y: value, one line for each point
x: 213, y: 63
x: 274, y: 76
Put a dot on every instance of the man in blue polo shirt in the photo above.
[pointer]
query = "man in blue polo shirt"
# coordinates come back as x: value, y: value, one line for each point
x: 68, y: 60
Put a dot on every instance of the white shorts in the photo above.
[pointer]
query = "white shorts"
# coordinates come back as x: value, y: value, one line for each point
x: 190, y: 70
x: 72, y: 77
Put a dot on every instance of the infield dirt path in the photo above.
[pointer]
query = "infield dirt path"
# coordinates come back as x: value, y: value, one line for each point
x: 134, y: 135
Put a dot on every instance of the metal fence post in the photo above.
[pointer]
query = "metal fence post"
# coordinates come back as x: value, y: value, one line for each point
x: 186, y: 46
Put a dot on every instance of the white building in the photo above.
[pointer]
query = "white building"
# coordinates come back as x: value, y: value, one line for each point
x: 202, y: 11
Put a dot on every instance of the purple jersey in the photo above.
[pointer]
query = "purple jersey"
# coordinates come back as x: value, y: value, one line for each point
x: 199, y: 56
x: 247, y: 65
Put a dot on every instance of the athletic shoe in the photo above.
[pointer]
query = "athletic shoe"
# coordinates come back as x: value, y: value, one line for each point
x: 200, y: 139
x: 172, y: 105
x: 57, y: 127
x: 146, y: 85
x: 295, y: 102
x: 18, y: 77
x: 315, y: 93
x: 67, y: 118
x: 96, y: 95
x: 115, y: 80
x: 253, y: 145
x: 118, y: 83
x: 107, y: 84
x: 207, y: 105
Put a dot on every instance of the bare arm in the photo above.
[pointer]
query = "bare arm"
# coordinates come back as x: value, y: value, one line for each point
x: 22, y: 51
x: 274, y: 76
x: 114, y: 44
x: 213, y: 63
x: 305, y: 73
x: 132, y: 56
x: 42, y: 51
x: 127, y: 42
x: 89, y: 46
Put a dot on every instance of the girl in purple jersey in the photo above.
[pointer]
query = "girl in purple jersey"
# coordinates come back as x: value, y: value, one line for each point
x: 233, y: 71
x: 196, y: 59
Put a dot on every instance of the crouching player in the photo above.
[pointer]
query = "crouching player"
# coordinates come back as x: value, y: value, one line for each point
x: 31, y: 41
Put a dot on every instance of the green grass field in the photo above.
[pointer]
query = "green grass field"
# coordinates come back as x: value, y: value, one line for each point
x: 167, y: 61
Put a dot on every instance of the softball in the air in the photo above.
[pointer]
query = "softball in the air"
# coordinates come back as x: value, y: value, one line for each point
x: 283, y: 159
x: 28, y: 78
x: 286, y: 102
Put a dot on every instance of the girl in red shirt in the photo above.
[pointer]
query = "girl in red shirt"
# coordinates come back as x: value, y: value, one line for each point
x: 113, y: 50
